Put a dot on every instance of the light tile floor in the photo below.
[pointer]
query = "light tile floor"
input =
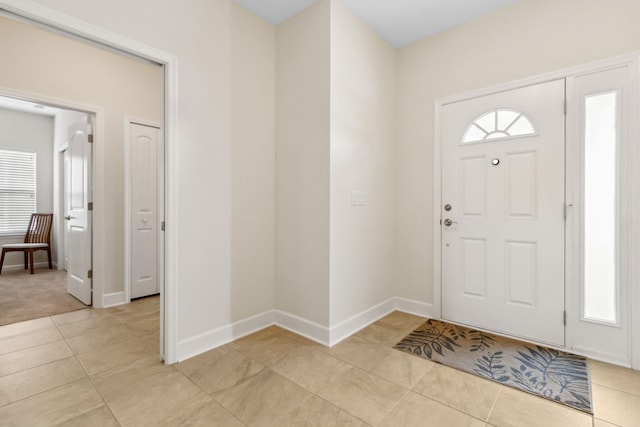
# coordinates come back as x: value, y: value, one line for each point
x: 101, y: 368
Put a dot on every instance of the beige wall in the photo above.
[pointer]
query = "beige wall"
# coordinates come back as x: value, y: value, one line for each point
x: 302, y: 164
x: 225, y: 146
x: 362, y: 159
x: 49, y: 64
x: 211, y: 150
x: 526, y: 39
x: 252, y: 164
x: 335, y: 133
x: 225, y: 169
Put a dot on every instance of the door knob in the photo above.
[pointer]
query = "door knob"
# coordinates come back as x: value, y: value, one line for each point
x: 69, y: 217
x: 448, y: 222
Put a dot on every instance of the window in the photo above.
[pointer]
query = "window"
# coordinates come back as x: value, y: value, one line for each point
x: 498, y: 124
x: 600, y: 189
x: 17, y: 191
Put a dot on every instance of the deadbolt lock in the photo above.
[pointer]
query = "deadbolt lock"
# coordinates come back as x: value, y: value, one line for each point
x: 447, y: 207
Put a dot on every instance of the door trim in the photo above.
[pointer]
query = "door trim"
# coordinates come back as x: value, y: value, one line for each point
x: 633, y: 61
x: 60, y: 21
x: 128, y: 121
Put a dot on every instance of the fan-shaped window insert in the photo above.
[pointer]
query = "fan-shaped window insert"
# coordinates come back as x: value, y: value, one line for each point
x: 498, y: 124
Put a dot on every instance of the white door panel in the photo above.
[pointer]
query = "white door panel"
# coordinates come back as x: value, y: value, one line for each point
x: 78, y: 217
x: 144, y: 177
x: 503, y: 252
x: 598, y: 269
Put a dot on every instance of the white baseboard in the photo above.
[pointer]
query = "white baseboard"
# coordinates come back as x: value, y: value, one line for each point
x: 352, y: 325
x: 113, y: 299
x: 418, y: 308
x: 209, y: 340
x: 321, y: 334
x: 15, y: 267
x: 303, y: 327
x: 361, y: 320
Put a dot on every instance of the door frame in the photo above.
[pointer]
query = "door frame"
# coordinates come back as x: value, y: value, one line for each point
x: 633, y: 61
x: 128, y: 121
x: 61, y: 250
x: 81, y: 286
x: 168, y: 296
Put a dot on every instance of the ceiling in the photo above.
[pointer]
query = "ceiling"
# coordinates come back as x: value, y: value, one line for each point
x: 400, y: 22
x: 27, y: 107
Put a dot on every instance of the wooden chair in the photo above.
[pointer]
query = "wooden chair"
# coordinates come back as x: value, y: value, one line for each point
x: 38, y: 238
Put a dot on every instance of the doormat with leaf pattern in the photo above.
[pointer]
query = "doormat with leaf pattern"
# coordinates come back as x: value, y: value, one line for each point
x: 545, y: 372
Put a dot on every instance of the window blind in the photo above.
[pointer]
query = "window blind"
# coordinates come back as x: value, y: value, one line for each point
x: 17, y: 190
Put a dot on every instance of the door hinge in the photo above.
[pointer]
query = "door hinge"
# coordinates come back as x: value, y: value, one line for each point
x: 162, y: 226
x: 566, y: 210
x: 90, y: 274
x: 564, y: 318
x: 90, y: 138
x: 90, y: 206
x: 565, y: 107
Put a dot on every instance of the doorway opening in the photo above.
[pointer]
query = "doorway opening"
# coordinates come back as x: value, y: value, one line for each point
x: 106, y: 248
x: 39, y: 132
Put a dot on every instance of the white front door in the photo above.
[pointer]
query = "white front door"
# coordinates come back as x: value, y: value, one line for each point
x: 503, y: 212
x: 78, y: 216
x: 144, y: 187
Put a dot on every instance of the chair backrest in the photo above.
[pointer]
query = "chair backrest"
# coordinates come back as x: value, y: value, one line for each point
x: 39, y: 230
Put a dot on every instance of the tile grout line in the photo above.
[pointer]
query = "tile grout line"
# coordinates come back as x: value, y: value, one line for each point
x: 75, y: 355
x: 35, y: 366
x: 410, y: 390
x: 447, y: 404
x: 301, y: 342
x: 343, y: 410
x: 394, y: 407
x: 210, y: 395
x: 35, y: 345
x: 311, y: 393
x: 495, y: 402
x: 407, y: 390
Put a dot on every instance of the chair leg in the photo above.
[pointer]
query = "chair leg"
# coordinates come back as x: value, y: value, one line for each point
x: 31, y: 260
x: 26, y: 260
x: 1, y: 261
x: 49, y: 255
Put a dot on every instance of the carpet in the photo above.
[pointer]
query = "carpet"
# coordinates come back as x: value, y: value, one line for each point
x: 545, y: 372
x: 25, y: 296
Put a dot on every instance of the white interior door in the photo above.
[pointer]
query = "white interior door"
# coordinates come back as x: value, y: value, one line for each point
x: 144, y: 187
x: 503, y: 212
x: 78, y: 216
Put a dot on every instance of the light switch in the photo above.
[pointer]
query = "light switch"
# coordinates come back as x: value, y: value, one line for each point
x: 358, y: 198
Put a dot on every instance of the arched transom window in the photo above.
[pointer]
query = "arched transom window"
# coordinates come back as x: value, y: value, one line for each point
x: 496, y: 124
